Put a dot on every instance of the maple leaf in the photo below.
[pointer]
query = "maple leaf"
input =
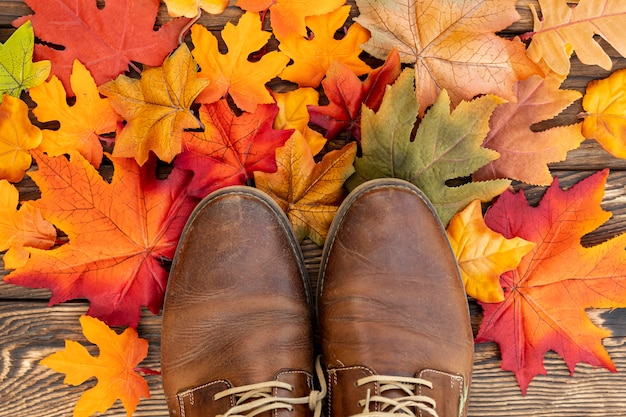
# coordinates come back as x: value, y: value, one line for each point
x: 452, y: 44
x: 309, y: 193
x: 482, y: 254
x: 81, y: 123
x: 347, y: 94
x: 288, y: 16
x: 156, y: 107
x: 231, y: 147
x: 232, y: 73
x: 105, y: 39
x: 18, y: 72
x: 114, y: 368
x: 313, y: 55
x: 546, y: 296
x: 293, y: 114
x: 119, y: 233
x: 524, y: 152
x: 446, y: 146
x: 17, y: 137
x: 605, y: 113
x: 21, y: 227
x: 564, y: 26
x: 193, y: 8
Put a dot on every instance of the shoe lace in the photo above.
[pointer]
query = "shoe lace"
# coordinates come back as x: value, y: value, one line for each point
x: 406, y: 405
x: 254, y: 399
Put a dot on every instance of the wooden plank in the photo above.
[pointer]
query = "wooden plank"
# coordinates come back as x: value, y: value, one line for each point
x: 31, y: 331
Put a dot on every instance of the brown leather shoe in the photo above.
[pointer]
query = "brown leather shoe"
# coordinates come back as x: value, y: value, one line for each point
x: 237, y: 331
x: 394, y: 319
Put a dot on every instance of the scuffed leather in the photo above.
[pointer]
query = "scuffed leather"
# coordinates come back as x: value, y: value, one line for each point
x: 391, y: 298
x: 236, y: 307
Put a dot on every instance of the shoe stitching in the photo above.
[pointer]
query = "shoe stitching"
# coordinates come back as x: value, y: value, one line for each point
x: 190, y: 393
x: 459, y: 378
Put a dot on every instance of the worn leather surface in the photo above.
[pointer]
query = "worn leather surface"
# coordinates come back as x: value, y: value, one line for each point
x: 236, y: 308
x: 391, y: 299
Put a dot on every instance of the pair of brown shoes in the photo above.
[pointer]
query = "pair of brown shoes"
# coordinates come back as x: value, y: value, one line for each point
x: 392, y: 312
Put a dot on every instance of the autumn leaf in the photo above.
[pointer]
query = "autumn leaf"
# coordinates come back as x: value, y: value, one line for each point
x: 482, y: 254
x: 21, y: 227
x: 347, y: 94
x: 114, y: 368
x: 17, y: 137
x: 105, y: 39
x: 563, y: 25
x: 192, y: 8
x: 288, y: 16
x: 119, y: 233
x: 81, y: 123
x: 156, y: 107
x: 605, y: 113
x: 313, y: 55
x: 18, y: 72
x: 452, y: 44
x: 446, y: 147
x: 547, y: 295
x: 309, y: 192
x: 231, y: 147
x: 233, y: 73
x: 524, y: 152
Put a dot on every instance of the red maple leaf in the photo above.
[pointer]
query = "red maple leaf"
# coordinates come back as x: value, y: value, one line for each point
x: 231, y: 147
x: 546, y: 296
x: 105, y: 40
x: 119, y: 234
x: 346, y: 95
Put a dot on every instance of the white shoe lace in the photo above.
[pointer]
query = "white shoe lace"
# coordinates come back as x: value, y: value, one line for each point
x: 405, y: 405
x: 254, y: 399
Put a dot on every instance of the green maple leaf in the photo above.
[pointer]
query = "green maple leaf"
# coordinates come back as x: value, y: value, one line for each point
x: 446, y: 146
x: 17, y: 70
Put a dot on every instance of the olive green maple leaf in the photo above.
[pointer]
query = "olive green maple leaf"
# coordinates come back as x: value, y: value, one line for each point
x: 18, y: 72
x: 446, y: 146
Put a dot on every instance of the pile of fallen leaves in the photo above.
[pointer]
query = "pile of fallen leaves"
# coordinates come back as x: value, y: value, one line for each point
x: 306, y: 104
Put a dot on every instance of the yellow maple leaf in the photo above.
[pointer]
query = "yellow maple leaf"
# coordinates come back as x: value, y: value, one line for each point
x: 605, y: 113
x: 293, y: 114
x: 113, y: 367
x: 453, y: 45
x: 81, y: 123
x: 232, y: 73
x: 309, y: 193
x: 192, y: 8
x: 563, y: 26
x: 19, y: 228
x: 312, y: 56
x: 156, y: 107
x: 482, y: 254
x: 17, y: 137
x: 288, y: 16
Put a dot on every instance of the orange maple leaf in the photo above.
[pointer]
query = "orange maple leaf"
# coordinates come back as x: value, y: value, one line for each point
x: 114, y: 368
x: 81, y: 123
x: 19, y: 228
x: 452, y: 44
x: 232, y: 73
x: 288, y: 16
x: 156, y: 107
x: 312, y: 56
x: 17, y: 137
x: 524, y: 152
x: 119, y: 233
x: 547, y: 294
x: 309, y: 193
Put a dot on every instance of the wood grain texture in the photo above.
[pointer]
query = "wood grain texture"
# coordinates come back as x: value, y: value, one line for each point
x: 31, y: 330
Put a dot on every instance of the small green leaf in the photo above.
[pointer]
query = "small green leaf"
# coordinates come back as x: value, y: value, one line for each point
x: 447, y: 146
x: 18, y: 72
